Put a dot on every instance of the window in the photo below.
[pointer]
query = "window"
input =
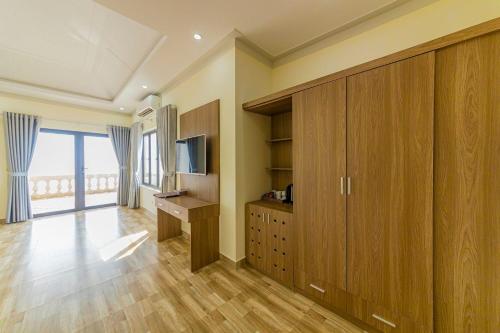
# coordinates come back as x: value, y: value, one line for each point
x: 151, y: 169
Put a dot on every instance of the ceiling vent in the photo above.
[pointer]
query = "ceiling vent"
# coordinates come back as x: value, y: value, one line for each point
x: 148, y: 105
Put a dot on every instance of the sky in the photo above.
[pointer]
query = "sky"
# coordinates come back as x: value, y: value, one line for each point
x: 55, y: 155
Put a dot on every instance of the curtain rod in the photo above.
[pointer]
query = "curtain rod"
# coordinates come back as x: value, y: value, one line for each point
x: 65, y: 121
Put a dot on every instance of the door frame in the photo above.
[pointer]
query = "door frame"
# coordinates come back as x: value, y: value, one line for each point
x: 79, y: 172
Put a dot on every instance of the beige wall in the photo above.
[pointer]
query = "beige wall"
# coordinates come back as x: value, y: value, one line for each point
x: 233, y: 74
x: 253, y: 79
x: 401, y: 28
x: 214, y: 80
x: 56, y: 116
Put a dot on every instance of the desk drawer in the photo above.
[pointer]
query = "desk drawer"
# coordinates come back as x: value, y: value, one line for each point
x: 173, y: 209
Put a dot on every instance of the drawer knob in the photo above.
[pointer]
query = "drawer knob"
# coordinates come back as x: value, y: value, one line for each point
x: 385, y: 321
x: 317, y: 288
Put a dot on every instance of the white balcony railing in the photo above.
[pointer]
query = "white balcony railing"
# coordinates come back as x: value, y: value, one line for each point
x: 47, y: 187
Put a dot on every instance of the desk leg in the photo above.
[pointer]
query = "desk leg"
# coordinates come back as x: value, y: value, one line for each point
x: 168, y: 226
x: 204, y: 242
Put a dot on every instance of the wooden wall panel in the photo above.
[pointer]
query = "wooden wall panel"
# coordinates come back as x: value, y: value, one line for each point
x: 467, y: 187
x: 281, y: 152
x: 203, y: 120
x: 389, y: 210
x: 319, y: 151
x: 281, y: 125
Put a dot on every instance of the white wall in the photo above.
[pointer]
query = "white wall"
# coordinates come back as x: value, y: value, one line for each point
x: 56, y: 116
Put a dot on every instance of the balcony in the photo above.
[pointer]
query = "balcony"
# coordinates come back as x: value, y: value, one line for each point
x: 57, y: 193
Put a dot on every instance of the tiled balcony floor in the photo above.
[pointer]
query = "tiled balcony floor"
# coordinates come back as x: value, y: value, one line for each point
x: 43, y: 206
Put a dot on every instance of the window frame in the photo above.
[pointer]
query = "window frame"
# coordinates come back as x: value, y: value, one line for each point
x: 158, y: 166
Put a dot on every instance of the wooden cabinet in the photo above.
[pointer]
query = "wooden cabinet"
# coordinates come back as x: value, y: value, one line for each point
x: 389, y: 214
x: 319, y: 151
x: 467, y: 186
x: 269, y: 240
x: 396, y: 171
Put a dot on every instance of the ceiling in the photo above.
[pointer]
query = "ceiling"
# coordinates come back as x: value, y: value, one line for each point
x: 101, y: 53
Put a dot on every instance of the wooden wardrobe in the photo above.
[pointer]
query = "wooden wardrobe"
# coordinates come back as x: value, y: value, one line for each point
x: 396, y: 178
x: 363, y: 153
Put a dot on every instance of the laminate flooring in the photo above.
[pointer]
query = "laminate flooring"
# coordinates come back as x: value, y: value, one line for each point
x: 103, y: 271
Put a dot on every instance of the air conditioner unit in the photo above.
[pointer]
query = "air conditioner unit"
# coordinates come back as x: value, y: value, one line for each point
x: 148, y: 105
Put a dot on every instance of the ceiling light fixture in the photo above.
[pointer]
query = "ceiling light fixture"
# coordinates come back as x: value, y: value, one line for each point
x: 122, y: 108
x: 144, y: 86
x: 197, y: 36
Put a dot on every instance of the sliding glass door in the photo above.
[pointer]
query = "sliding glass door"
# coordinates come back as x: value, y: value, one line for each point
x: 101, y: 171
x: 72, y: 171
x: 52, y: 173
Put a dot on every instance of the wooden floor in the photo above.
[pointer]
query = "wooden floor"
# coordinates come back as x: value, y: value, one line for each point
x: 103, y: 271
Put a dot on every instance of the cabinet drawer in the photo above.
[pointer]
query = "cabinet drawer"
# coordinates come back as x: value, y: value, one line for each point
x: 173, y: 209
x: 382, y: 318
x: 325, y: 292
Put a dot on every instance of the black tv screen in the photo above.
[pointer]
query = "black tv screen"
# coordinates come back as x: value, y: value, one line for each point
x: 191, y: 155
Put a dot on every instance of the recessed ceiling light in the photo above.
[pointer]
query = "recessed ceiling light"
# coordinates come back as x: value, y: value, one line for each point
x: 197, y: 36
x: 144, y: 86
x: 122, y: 108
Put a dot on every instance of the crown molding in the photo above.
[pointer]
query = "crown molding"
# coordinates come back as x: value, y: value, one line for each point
x: 54, y: 95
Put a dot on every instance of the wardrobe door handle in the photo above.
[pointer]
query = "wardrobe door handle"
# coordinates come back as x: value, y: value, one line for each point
x: 348, y: 185
x: 268, y: 218
x: 385, y: 321
x: 263, y: 214
x: 341, y: 185
x: 317, y: 288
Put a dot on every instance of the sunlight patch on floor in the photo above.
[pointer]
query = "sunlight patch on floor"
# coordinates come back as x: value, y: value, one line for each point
x: 127, y: 244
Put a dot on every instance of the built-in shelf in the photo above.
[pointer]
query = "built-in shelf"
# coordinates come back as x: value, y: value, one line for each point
x: 280, y: 169
x: 279, y: 140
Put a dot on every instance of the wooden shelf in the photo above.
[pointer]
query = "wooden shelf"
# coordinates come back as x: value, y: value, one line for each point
x: 280, y: 169
x: 279, y: 140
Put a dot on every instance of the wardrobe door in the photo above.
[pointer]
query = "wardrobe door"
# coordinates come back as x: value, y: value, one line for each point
x: 467, y: 187
x: 319, y: 142
x: 389, y: 208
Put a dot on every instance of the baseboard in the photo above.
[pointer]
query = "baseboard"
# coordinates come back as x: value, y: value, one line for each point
x: 2, y: 221
x: 234, y: 264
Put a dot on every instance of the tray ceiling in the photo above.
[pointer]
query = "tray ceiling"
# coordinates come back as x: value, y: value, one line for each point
x: 100, y: 53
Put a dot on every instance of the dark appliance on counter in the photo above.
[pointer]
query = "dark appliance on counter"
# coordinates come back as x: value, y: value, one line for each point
x: 289, y: 194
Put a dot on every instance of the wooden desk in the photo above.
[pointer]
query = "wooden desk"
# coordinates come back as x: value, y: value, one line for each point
x: 204, y: 220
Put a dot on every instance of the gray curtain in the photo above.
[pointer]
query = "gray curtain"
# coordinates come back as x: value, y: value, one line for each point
x: 120, y: 138
x: 21, y: 132
x: 166, y: 128
x: 135, y: 159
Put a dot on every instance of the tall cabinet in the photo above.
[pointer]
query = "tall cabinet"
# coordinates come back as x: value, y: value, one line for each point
x: 389, y: 207
x: 363, y: 157
x: 319, y: 151
x: 467, y: 187
x: 396, y: 172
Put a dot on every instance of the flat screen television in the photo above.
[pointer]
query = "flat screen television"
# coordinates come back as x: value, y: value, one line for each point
x: 191, y: 155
